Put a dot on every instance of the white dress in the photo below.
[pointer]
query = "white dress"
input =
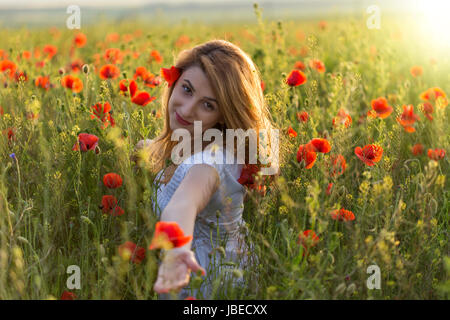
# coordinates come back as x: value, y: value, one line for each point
x: 219, y: 224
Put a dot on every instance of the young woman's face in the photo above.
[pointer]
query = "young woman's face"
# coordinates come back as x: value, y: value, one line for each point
x: 192, y: 100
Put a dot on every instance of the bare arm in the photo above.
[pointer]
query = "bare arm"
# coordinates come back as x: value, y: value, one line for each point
x: 191, y: 197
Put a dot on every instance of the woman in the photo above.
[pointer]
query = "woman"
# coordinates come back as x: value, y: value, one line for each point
x: 218, y: 85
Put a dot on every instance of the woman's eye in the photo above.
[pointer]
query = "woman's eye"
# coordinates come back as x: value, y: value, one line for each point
x: 209, y: 106
x: 186, y: 87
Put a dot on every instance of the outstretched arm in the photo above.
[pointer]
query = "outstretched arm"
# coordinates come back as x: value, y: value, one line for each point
x: 191, y: 197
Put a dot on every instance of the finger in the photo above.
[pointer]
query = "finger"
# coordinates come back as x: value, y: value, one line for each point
x: 193, y: 265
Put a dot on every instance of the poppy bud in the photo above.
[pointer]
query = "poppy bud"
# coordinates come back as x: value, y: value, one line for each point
x: 5, y: 84
x: 61, y: 71
x: 85, y: 68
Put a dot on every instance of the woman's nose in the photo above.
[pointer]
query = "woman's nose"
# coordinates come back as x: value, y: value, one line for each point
x: 187, y: 111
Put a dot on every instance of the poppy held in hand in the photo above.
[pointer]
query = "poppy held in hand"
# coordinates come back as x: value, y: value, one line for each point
x: 370, y: 154
x: 130, y: 251
x: 171, y: 75
x: 296, y: 78
x: 168, y: 235
x: 86, y: 142
x: 112, y: 180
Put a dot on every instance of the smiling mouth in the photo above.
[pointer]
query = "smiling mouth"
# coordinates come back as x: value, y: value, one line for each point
x: 181, y: 120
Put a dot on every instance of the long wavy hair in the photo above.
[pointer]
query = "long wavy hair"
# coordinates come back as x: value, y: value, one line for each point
x: 236, y: 83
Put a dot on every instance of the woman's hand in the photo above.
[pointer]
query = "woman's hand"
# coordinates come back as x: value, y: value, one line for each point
x: 174, y: 271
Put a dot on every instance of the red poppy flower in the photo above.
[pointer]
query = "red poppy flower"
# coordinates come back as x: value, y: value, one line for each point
x: 80, y: 40
x: 86, y: 142
x: 43, y: 82
x: 263, y: 85
x: 417, y: 149
x: 109, y: 205
x: 126, y: 85
x: 436, y: 154
x: 307, y: 239
x: 305, y: 153
x: 109, y: 71
x: 50, y: 50
x: 291, y: 132
x: 26, y: 54
x: 428, y: 110
x: 168, y: 235
x: 317, y: 65
x: 130, y: 250
x: 247, y: 177
x: 416, y: 71
x: 3, y: 54
x: 370, y: 154
x: 299, y: 66
x: 10, y: 133
x: 182, y: 40
x: 433, y: 94
x: 113, y: 55
x: 381, y: 107
x: 329, y: 187
x: 171, y: 75
x: 8, y: 65
x: 156, y: 56
x: 152, y: 81
x: 142, y: 98
x: 101, y: 111
x: 112, y: 180
x: 407, y: 118
x: 320, y: 145
x: 343, y: 118
x: 296, y: 78
x: 20, y: 76
x: 113, y: 37
x: 323, y: 25
x: 72, y: 82
x: 76, y: 65
x: 190, y: 298
x: 338, y: 164
x: 342, y: 215
x: 140, y: 73
x: 67, y: 295
x: 302, y: 116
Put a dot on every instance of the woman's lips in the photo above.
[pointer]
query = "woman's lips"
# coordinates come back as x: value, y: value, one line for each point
x: 181, y: 120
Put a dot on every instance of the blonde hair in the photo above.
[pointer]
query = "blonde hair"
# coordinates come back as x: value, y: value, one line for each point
x: 236, y: 83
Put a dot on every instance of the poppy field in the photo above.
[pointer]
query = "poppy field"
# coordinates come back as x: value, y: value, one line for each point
x: 364, y: 139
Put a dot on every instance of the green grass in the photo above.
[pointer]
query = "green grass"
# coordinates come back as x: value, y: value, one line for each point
x: 50, y: 197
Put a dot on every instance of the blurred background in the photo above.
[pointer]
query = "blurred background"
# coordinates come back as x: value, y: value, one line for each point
x: 16, y: 13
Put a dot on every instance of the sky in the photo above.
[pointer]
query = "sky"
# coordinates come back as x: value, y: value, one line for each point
x: 127, y: 3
